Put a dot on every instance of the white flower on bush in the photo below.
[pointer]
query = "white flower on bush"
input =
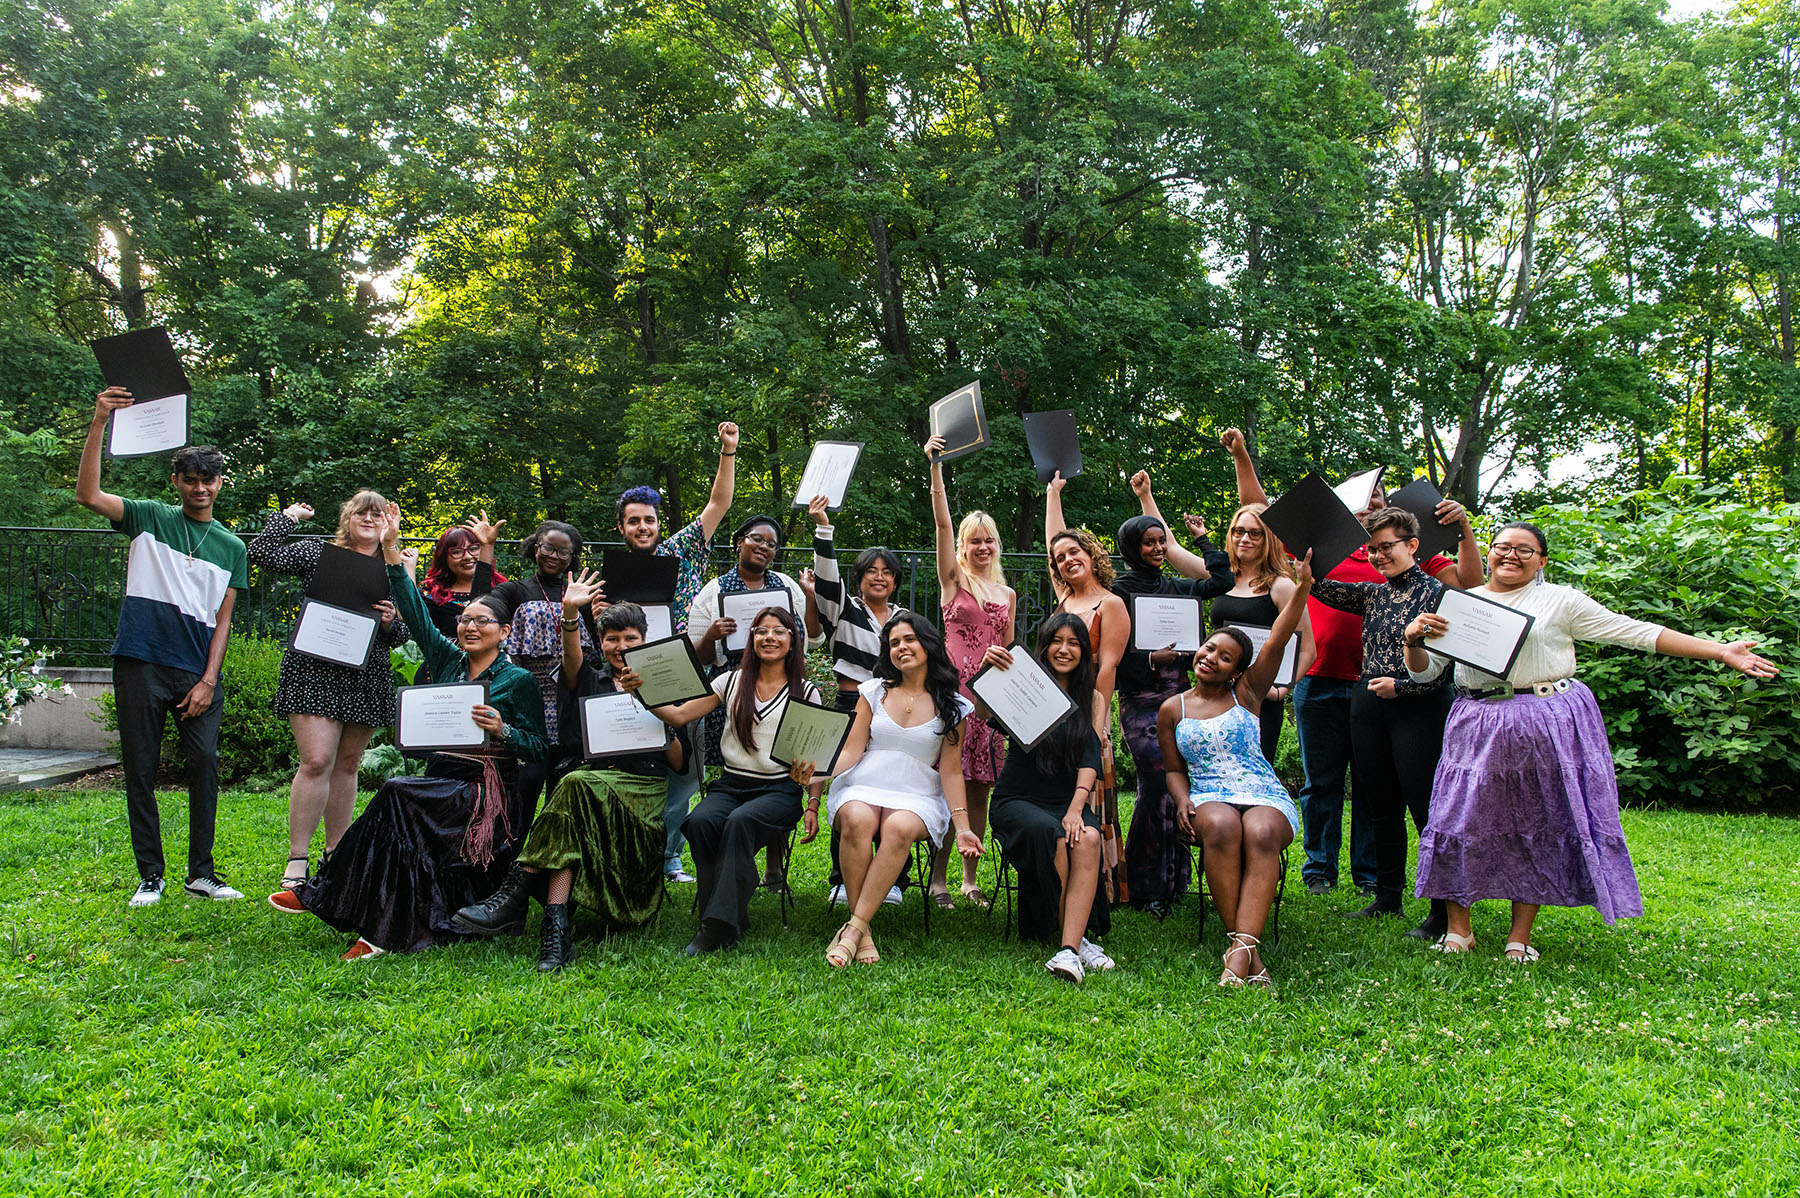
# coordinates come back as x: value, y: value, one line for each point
x: 22, y: 678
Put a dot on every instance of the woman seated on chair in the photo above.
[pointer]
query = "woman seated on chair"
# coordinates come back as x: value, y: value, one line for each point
x: 424, y: 847
x: 599, y: 838
x: 1228, y: 797
x: 899, y: 777
x: 1043, y: 813
x: 755, y: 802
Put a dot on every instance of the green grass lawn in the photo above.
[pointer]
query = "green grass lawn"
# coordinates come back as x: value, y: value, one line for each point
x: 198, y: 1048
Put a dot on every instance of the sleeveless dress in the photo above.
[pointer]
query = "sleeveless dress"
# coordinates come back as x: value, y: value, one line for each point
x: 970, y: 630
x: 1226, y: 765
x: 1261, y: 612
x: 899, y: 769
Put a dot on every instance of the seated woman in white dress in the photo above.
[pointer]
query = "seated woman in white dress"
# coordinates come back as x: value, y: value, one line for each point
x: 1226, y: 793
x: 899, y: 777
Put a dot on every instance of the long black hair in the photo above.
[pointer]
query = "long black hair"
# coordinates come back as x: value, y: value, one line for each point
x: 941, y: 678
x: 743, y: 702
x: 1067, y: 741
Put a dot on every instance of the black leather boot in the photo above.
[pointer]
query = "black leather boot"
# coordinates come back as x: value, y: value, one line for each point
x: 501, y: 914
x: 556, y: 943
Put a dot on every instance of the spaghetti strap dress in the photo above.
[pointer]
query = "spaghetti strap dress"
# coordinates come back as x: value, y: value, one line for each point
x: 970, y: 630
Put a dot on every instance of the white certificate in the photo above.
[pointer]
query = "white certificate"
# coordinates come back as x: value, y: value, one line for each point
x: 669, y: 670
x: 828, y: 473
x: 148, y: 427
x: 439, y: 716
x: 1290, y: 655
x: 809, y: 732
x: 617, y: 724
x: 659, y: 619
x: 1025, y: 699
x: 742, y: 606
x: 335, y: 634
x: 1358, y: 489
x: 1481, y: 632
x: 1162, y: 621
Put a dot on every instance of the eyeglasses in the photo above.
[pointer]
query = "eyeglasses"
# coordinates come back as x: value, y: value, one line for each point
x: 465, y: 551
x: 1248, y: 534
x: 474, y: 621
x: 548, y: 551
x: 1523, y: 553
x: 1384, y: 549
x: 756, y: 538
x: 780, y: 632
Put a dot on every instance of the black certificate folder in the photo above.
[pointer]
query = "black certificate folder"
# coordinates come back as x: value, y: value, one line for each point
x: 1311, y: 516
x: 961, y: 421
x: 631, y: 577
x: 144, y: 362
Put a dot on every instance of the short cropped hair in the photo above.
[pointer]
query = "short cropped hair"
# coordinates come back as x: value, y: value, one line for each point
x: 621, y: 616
x: 203, y: 460
x: 1399, y: 519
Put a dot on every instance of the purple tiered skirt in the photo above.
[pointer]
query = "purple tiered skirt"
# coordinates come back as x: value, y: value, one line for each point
x: 1525, y: 806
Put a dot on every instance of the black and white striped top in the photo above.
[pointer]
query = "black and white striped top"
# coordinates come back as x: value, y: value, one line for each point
x: 851, y: 630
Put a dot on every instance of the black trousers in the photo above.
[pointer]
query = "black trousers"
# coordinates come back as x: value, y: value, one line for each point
x: 1396, y: 744
x: 738, y: 816
x: 147, y: 694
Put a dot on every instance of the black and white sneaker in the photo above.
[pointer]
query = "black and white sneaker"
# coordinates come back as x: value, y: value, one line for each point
x: 148, y: 894
x: 211, y: 887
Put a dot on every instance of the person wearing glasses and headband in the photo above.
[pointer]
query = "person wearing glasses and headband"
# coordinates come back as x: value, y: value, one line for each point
x: 426, y: 847
x: 1396, y: 723
x: 1525, y: 804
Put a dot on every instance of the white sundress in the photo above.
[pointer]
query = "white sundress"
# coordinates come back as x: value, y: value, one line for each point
x: 898, y: 770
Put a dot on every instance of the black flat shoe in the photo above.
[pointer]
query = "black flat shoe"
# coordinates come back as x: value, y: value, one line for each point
x: 1375, y: 910
x: 1435, y: 924
x: 1157, y: 908
x: 1319, y: 886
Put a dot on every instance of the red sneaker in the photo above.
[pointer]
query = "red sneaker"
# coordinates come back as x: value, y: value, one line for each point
x: 286, y: 900
x: 362, y: 950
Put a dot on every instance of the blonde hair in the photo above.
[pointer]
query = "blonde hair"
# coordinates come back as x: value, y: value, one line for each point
x: 362, y: 501
x: 1273, y: 563
x: 1097, y: 554
x: 984, y: 588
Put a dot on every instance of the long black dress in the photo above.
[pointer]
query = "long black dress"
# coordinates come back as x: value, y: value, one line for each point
x: 1026, y: 813
x: 425, y: 848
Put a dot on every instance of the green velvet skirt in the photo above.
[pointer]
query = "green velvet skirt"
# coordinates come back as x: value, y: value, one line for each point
x: 607, y: 826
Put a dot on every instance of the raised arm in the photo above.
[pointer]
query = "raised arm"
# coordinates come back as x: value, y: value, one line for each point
x: 87, y: 479
x: 439, y: 650
x: 486, y: 535
x: 1053, y: 513
x: 718, y: 503
x: 1257, y: 679
x: 1249, y: 487
x: 271, y: 548
x: 1467, y: 572
x: 1186, y: 562
x: 949, y: 573
x: 828, y: 585
x: 578, y: 592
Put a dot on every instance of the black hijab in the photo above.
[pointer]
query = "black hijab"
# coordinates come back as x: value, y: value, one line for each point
x: 1140, y: 577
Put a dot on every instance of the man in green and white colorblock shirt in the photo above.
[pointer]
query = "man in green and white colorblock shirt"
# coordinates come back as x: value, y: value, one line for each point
x: 183, y: 577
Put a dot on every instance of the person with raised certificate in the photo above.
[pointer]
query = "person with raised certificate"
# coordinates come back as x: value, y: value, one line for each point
x: 1525, y: 801
x: 979, y: 611
x: 756, y: 801
x: 426, y: 847
x: 1158, y: 863
x: 640, y: 524
x: 332, y: 708
x: 1044, y: 812
x: 899, y: 777
x: 598, y: 839
x: 1230, y: 801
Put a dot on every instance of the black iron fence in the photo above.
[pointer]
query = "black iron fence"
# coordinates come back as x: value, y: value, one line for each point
x: 62, y: 586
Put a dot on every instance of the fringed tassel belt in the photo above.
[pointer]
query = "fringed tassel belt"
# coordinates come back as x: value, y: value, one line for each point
x: 490, y: 808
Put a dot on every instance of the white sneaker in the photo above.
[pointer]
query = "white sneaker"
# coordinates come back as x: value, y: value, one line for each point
x: 893, y: 897
x: 838, y: 895
x: 678, y: 876
x: 148, y: 893
x: 210, y: 887
x: 1093, y: 957
x: 1066, y: 964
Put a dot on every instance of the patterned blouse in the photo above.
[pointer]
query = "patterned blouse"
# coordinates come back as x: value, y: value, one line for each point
x: 1386, y: 609
x: 690, y: 546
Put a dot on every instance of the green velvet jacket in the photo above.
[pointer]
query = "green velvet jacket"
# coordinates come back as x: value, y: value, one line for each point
x: 512, y: 690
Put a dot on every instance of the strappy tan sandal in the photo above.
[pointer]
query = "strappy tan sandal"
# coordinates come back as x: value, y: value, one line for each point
x: 867, y: 953
x: 1521, y: 953
x: 1450, y: 942
x: 843, y: 947
x: 1241, y: 942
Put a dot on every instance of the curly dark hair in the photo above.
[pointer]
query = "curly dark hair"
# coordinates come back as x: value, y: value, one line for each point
x: 649, y: 495
x: 528, y: 547
x: 941, y: 678
x: 743, y: 702
x: 1067, y: 740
